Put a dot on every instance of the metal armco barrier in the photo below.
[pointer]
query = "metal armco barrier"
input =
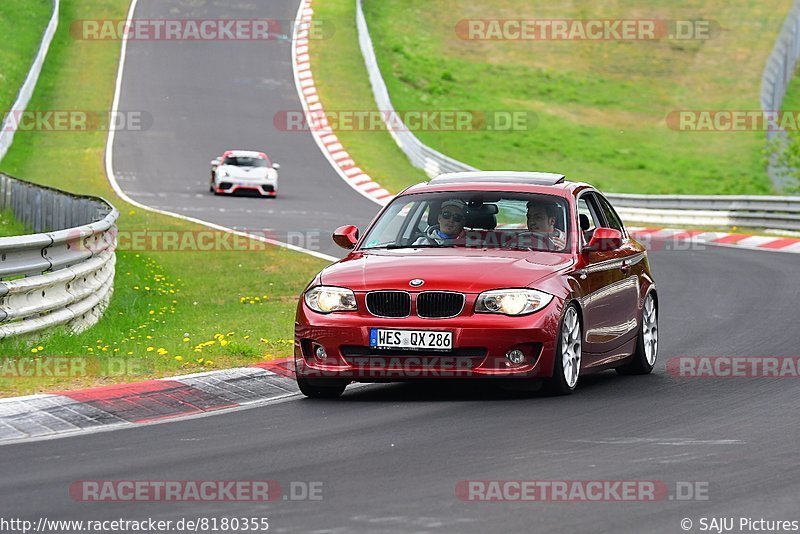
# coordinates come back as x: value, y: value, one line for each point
x: 771, y: 212
x: 64, y: 273
x: 777, y: 75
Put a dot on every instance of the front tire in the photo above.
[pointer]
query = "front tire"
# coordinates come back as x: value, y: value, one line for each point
x: 321, y: 389
x: 644, y: 357
x: 567, y: 361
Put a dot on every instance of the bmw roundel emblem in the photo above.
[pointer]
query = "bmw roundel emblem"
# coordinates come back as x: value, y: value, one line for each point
x: 416, y: 282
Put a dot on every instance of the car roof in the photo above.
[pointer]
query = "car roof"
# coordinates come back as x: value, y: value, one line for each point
x: 512, y: 181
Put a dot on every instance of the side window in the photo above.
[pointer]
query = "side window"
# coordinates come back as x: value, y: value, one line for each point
x: 612, y: 219
x: 588, y: 216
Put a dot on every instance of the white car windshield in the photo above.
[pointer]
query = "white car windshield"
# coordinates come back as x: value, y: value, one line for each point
x: 245, y: 161
x: 476, y: 219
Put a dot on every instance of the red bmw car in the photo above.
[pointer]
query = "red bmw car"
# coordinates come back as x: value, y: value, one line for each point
x: 481, y: 275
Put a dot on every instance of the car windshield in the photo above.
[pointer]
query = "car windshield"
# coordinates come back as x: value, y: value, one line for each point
x: 245, y: 161
x: 476, y: 219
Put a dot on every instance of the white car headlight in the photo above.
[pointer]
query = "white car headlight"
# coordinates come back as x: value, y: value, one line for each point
x: 327, y: 299
x: 512, y: 301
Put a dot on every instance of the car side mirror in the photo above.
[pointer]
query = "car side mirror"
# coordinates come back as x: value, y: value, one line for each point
x: 604, y: 239
x: 276, y: 166
x: 346, y: 236
x: 215, y: 163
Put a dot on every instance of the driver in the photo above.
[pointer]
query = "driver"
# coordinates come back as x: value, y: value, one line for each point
x: 450, y: 229
x: 541, y: 222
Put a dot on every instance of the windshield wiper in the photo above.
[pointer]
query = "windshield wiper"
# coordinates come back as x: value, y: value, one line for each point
x: 395, y: 247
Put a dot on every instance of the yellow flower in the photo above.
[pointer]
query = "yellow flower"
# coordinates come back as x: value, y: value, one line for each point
x: 178, y: 358
x: 162, y: 351
x: 186, y: 340
x: 150, y: 349
x: 152, y: 312
x: 223, y: 342
x: 209, y: 362
x: 40, y: 347
x: 34, y: 350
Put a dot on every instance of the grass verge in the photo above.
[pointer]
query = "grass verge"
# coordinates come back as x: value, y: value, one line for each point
x: 601, y: 105
x: 9, y: 226
x: 172, y: 312
x: 22, y: 23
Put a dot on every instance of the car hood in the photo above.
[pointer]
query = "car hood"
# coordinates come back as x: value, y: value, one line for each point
x: 245, y: 173
x: 449, y: 269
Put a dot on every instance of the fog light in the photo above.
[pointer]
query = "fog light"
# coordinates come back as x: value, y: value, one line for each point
x: 319, y: 352
x: 515, y: 356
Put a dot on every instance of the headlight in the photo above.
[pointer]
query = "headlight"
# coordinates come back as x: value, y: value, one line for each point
x: 512, y: 301
x: 326, y: 299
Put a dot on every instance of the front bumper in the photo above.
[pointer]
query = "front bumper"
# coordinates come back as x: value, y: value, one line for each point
x: 229, y: 186
x: 480, y: 343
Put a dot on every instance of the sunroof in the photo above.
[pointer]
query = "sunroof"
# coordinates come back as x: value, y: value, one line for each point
x: 535, y: 178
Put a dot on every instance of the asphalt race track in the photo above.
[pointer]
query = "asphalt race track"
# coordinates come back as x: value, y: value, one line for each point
x: 208, y: 97
x: 390, y: 456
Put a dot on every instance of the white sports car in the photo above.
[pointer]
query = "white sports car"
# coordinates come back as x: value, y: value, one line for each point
x: 245, y: 171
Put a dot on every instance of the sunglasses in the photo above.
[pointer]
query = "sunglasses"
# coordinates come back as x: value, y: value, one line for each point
x: 457, y: 217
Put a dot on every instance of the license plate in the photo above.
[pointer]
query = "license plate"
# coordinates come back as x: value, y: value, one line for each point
x: 382, y: 338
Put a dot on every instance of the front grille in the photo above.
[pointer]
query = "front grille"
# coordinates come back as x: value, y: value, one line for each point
x: 389, y: 303
x: 225, y: 185
x: 439, y: 304
x: 462, y: 358
x: 349, y: 351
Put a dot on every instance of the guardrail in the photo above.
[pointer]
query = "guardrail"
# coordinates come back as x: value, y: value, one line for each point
x: 778, y: 73
x: 64, y: 273
x: 779, y: 213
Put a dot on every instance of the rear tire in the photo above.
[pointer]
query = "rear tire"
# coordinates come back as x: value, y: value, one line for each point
x: 567, y: 361
x: 321, y: 389
x: 646, y: 353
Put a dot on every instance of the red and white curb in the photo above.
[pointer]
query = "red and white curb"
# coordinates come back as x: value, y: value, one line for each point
x: 125, y: 405
x: 320, y: 128
x: 657, y: 237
